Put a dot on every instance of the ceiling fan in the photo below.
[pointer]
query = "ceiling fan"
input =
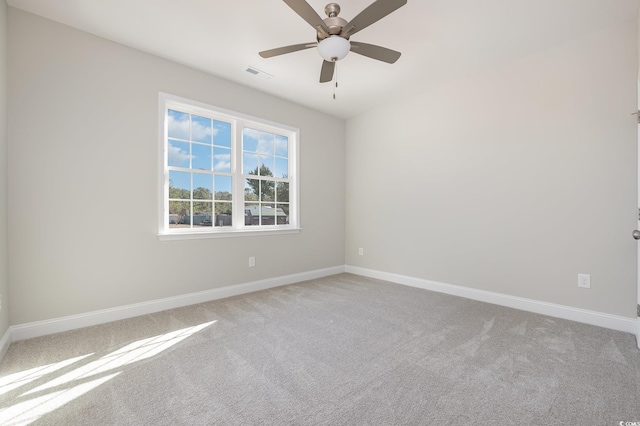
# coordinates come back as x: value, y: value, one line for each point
x: 333, y: 34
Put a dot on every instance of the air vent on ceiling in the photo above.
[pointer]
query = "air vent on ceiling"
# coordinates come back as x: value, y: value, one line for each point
x: 258, y: 73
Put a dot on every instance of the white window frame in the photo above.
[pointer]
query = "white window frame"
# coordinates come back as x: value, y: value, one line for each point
x: 238, y: 122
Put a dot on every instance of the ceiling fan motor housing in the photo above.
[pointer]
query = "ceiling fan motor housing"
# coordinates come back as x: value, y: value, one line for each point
x: 333, y: 22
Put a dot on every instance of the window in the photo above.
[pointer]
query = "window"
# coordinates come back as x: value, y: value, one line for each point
x: 224, y: 173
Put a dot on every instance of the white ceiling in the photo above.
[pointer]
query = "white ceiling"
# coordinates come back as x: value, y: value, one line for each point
x: 440, y: 40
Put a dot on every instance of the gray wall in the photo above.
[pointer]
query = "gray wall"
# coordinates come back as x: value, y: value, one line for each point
x: 83, y: 171
x: 638, y: 108
x: 511, y: 181
x: 4, y: 274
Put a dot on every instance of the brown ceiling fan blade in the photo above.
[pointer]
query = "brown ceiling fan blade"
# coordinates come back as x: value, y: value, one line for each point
x: 373, y: 13
x: 375, y: 52
x: 326, y: 72
x: 286, y: 49
x: 307, y: 13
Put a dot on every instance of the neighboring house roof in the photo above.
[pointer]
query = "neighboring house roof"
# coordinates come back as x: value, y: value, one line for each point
x: 266, y: 211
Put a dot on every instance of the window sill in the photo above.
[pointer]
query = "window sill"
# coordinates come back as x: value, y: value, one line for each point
x: 171, y: 236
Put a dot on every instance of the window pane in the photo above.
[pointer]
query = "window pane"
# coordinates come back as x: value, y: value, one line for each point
x: 251, y: 189
x: 265, y: 145
x: 179, y: 214
x: 202, y: 213
x: 267, y: 190
x: 223, y: 214
x: 178, y: 154
x: 202, y: 186
x: 222, y: 159
x: 250, y: 140
x: 267, y: 166
x: 251, y: 214
x: 268, y: 214
x: 282, y: 146
x: 282, y: 168
x: 208, y: 158
x: 249, y: 164
x: 179, y: 185
x: 282, y: 192
x: 201, y: 159
x: 178, y: 124
x: 201, y: 130
x: 224, y: 187
x: 222, y: 133
x: 282, y: 213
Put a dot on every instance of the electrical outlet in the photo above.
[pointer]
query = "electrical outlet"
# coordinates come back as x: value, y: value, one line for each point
x: 361, y: 251
x: 584, y: 280
x: 252, y: 261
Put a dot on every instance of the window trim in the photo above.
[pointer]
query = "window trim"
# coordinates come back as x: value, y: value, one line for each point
x: 237, y: 120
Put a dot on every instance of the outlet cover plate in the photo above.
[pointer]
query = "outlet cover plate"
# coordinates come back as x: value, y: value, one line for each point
x: 584, y: 280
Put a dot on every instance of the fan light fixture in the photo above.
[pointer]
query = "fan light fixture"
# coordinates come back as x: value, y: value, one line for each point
x: 334, y: 48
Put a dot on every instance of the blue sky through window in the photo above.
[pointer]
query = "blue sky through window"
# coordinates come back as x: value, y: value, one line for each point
x: 178, y: 153
x: 222, y: 133
x: 180, y: 180
x: 265, y: 149
x: 223, y: 184
x: 190, y: 146
x: 250, y: 140
x: 201, y: 129
x: 201, y: 157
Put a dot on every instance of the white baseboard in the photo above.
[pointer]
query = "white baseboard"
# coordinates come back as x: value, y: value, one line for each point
x: 72, y: 322
x: 615, y: 322
x: 57, y: 325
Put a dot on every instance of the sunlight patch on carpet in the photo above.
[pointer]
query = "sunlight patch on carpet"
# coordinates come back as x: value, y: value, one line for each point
x: 58, y: 391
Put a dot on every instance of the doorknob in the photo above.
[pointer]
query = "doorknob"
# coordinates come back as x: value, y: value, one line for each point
x: 636, y: 234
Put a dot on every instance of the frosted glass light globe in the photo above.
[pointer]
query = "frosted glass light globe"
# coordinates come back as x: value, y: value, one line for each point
x: 334, y: 48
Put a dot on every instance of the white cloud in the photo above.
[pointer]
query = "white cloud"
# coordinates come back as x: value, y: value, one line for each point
x: 183, y: 128
x: 200, y: 132
x: 222, y: 162
x: 178, y: 156
x: 251, y: 133
x: 265, y: 145
x: 178, y: 128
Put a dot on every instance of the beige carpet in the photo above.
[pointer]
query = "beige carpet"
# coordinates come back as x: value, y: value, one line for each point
x: 343, y: 350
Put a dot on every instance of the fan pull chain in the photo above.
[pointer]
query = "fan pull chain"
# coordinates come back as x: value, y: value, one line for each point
x: 335, y: 78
